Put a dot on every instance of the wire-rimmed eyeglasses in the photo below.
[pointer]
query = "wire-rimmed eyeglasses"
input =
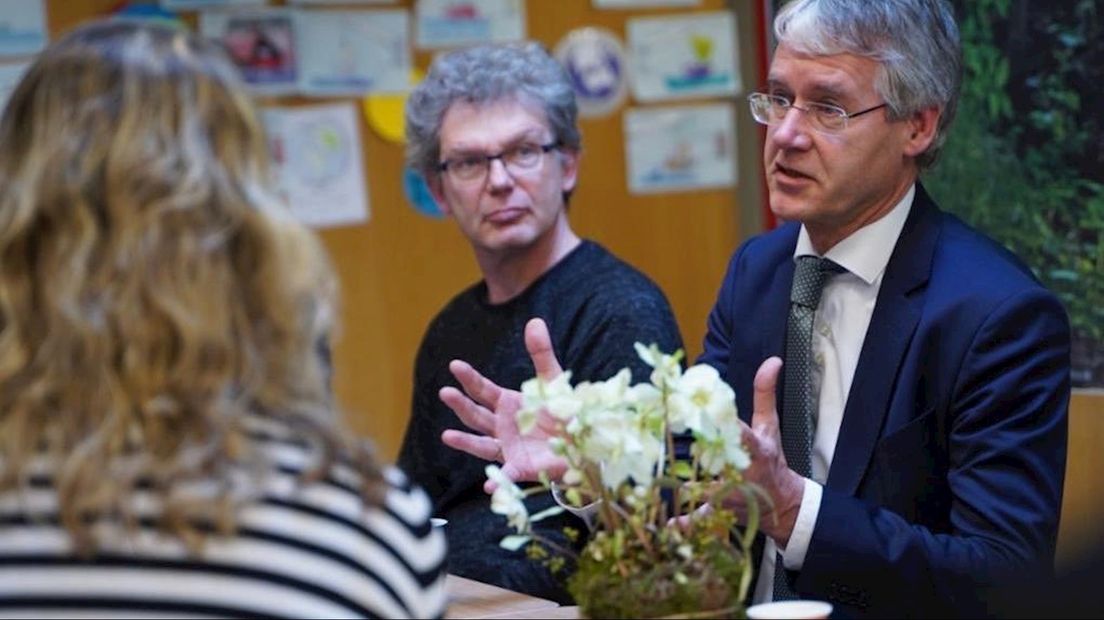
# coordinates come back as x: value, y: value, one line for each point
x: 518, y: 159
x: 823, y: 117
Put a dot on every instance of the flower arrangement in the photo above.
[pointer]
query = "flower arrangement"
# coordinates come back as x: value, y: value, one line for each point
x: 662, y: 544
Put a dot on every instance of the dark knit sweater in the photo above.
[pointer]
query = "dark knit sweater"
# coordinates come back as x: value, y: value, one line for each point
x: 596, y: 307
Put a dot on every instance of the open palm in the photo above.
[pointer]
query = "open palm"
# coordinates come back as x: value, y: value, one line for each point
x: 490, y: 411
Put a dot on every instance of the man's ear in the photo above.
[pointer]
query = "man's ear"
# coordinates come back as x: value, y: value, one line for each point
x: 437, y: 190
x: 922, y: 127
x: 569, y: 163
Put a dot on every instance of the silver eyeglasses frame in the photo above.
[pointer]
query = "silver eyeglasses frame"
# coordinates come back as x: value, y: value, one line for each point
x: 768, y: 109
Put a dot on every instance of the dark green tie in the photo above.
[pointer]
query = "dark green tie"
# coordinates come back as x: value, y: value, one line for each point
x: 799, y: 401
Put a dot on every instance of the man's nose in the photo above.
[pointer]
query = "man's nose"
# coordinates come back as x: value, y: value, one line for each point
x: 792, y: 132
x: 498, y: 177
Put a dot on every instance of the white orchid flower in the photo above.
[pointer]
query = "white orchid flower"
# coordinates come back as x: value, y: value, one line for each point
x: 666, y: 367
x: 718, y: 446
x: 614, y: 438
x: 508, y: 500
x: 555, y: 396
x: 700, y: 396
x: 619, y: 440
x: 646, y: 399
x: 603, y: 394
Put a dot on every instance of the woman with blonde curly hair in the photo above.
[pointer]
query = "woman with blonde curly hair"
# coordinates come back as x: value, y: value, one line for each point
x: 168, y: 444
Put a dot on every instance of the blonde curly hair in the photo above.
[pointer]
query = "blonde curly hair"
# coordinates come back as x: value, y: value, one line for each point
x: 154, y: 291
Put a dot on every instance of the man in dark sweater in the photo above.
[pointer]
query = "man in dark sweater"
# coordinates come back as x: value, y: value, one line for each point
x: 493, y: 130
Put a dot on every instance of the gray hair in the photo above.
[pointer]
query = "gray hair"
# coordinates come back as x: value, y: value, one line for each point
x: 915, y: 41
x: 488, y: 74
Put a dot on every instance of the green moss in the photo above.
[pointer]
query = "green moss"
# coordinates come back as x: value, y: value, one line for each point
x: 708, y: 578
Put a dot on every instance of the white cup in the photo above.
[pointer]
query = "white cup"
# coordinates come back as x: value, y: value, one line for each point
x: 779, y: 610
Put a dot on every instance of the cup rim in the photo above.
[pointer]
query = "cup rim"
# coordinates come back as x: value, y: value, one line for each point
x: 787, y: 609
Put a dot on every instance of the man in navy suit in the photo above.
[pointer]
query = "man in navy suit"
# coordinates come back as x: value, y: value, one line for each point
x: 939, y: 367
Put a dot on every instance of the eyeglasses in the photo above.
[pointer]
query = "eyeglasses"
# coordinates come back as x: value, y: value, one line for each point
x: 518, y: 159
x: 823, y: 117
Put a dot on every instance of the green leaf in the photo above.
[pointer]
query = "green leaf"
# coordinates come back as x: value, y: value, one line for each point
x: 544, y: 514
x: 683, y: 470
x: 667, y: 482
x: 574, y: 497
x: 513, y: 543
x: 1063, y: 274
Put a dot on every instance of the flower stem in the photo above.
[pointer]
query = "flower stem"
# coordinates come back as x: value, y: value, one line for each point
x: 640, y: 532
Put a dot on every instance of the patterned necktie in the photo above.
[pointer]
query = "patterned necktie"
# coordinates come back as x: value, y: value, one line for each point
x: 799, y: 402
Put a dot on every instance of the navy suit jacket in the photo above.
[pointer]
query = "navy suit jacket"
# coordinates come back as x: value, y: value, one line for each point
x: 947, y: 477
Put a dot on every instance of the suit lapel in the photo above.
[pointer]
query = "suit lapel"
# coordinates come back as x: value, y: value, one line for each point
x: 771, y: 313
x: 896, y: 314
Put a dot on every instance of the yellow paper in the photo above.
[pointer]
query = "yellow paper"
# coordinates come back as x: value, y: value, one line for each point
x: 384, y: 112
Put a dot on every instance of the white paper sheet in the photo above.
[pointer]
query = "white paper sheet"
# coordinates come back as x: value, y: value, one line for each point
x: 680, y: 148
x: 683, y: 56
x: 353, y: 52
x: 262, y: 44
x: 596, y: 64
x: 317, y: 150
x: 22, y: 27
x: 456, y: 23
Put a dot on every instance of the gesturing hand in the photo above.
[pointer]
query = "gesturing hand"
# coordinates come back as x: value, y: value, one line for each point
x: 768, y: 467
x: 491, y: 411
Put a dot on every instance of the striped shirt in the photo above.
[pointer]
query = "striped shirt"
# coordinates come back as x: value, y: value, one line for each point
x: 299, y: 551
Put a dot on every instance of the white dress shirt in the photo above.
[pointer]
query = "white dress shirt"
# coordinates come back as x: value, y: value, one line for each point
x: 839, y: 328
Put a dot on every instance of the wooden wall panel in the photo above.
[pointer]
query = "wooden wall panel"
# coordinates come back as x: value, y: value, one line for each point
x: 1083, y: 504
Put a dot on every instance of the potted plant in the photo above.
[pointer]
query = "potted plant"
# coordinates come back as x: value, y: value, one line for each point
x: 661, y: 542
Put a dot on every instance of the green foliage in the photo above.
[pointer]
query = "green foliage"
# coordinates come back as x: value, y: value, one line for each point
x: 699, y: 571
x: 1011, y: 166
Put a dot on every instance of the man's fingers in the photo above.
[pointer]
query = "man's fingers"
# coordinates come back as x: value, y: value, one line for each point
x: 479, y: 446
x: 549, y: 424
x: 539, y: 344
x: 509, y: 471
x: 481, y: 389
x: 765, y: 411
x: 477, y: 418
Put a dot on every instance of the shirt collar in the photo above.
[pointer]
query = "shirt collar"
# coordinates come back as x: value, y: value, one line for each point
x: 866, y: 251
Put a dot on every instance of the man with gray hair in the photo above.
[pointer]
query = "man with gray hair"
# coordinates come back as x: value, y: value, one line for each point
x: 493, y: 130
x: 913, y: 447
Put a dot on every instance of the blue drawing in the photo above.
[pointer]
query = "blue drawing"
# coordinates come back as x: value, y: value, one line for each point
x: 417, y: 193
x: 698, y: 72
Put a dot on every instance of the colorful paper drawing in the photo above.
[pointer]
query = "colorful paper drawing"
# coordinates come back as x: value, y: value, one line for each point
x: 149, y: 12
x: 679, y: 57
x: 385, y: 112
x: 191, y: 5
x: 642, y: 4
x: 418, y: 194
x: 22, y: 27
x: 324, y: 2
x: 261, y: 43
x: 596, y: 65
x: 456, y: 23
x: 353, y: 52
x: 318, y: 156
x: 680, y: 148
